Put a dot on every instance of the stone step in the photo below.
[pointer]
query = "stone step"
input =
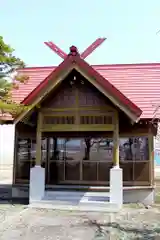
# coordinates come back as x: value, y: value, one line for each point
x: 76, y: 196
x: 77, y: 188
x: 70, y: 206
x: 73, y: 193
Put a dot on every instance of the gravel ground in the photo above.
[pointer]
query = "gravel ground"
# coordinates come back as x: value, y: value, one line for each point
x: 8, y: 211
x: 134, y: 222
x: 130, y: 223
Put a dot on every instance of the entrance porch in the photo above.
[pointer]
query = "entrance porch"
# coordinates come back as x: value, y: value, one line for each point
x: 77, y: 135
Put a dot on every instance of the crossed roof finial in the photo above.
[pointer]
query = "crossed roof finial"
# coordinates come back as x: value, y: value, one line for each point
x: 73, y: 49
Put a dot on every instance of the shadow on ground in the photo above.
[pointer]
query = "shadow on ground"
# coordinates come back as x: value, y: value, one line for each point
x: 107, y: 228
x: 6, y: 196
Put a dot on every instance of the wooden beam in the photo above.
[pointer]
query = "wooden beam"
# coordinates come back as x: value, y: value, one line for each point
x: 151, y: 156
x: 15, y: 160
x: 101, y: 108
x: 74, y: 127
x: 38, y: 139
x: 56, y: 49
x: 116, y: 141
x: 48, y: 160
x: 92, y: 47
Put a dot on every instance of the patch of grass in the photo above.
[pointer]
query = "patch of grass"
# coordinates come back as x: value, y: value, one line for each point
x: 6, y: 205
x: 157, y: 198
x: 133, y: 205
x: 157, y: 191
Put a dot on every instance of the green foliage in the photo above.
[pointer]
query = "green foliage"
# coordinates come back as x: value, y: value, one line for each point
x: 7, y: 57
x: 8, y: 65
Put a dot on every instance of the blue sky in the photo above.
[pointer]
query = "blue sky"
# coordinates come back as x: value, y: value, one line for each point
x: 130, y: 27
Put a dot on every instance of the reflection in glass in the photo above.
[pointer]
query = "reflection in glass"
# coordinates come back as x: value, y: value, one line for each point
x: 97, y: 149
x: 84, y: 148
x: 65, y: 148
x: 85, y: 159
x: 134, y: 148
x: 26, y: 155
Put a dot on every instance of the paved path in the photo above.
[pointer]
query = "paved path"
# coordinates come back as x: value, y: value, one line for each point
x: 64, y: 225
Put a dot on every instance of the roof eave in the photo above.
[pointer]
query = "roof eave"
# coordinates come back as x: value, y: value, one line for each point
x: 72, y: 62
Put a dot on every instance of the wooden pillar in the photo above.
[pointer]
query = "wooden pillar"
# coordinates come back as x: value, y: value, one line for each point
x: 116, y: 173
x: 116, y: 141
x: 29, y: 150
x: 48, y: 160
x: 151, y: 156
x: 150, y: 146
x: 16, y: 158
x: 38, y: 139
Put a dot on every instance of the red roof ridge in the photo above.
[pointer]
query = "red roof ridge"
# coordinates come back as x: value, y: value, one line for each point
x: 127, y: 66
x: 101, y: 66
x: 36, y: 68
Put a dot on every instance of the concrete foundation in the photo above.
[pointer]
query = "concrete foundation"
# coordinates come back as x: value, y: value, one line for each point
x: 37, y: 183
x: 116, y: 186
x: 146, y: 196
x: 21, y: 192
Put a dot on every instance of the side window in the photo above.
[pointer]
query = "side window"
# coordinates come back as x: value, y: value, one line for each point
x: 134, y: 148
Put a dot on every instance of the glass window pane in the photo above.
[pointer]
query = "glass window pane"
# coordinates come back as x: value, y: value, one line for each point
x: 98, y: 149
x: 23, y: 159
x: 134, y: 148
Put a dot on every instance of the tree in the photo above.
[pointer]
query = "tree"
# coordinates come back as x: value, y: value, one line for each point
x: 89, y: 142
x: 9, y: 79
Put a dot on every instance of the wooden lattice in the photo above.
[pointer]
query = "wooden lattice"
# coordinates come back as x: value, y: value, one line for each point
x: 59, y: 120
x: 96, y: 120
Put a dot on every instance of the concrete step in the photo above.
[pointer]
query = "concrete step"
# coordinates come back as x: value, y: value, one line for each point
x: 76, y: 196
x: 77, y: 188
x: 73, y: 193
x: 70, y: 206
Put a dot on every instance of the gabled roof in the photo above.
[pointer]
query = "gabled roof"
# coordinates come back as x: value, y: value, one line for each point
x: 74, y: 61
x: 139, y: 82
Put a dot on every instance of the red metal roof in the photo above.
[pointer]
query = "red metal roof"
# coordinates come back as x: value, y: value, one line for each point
x: 72, y: 59
x: 138, y: 82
